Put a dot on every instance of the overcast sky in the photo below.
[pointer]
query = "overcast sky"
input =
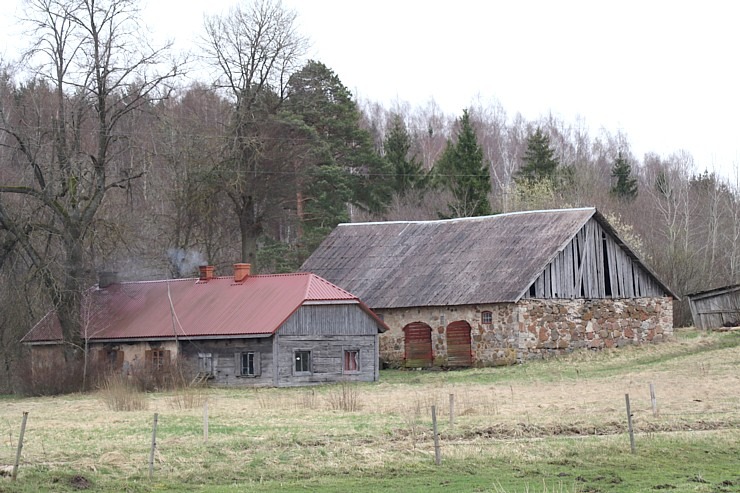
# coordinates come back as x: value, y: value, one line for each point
x: 664, y: 73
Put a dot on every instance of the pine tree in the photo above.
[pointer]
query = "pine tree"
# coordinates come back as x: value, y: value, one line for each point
x: 408, y: 172
x: 318, y: 97
x: 462, y: 170
x: 539, y: 160
x: 626, y: 186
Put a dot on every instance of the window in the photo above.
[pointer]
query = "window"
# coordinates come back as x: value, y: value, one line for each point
x: 351, y: 361
x: 247, y: 364
x: 486, y: 317
x: 303, y: 361
x: 111, y: 359
x: 157, y: 359
x: 205, y: 362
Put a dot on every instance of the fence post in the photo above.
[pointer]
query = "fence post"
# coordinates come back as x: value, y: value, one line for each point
x: 452, y: 410
x: 653, y: 400
x: 205, y: 421
x: 629, y: 423
x: 437, y: 455
x: 154, y: 446
x: 20, y: 446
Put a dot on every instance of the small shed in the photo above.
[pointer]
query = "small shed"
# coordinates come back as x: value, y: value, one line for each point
x: 499, y: 289
x: 240, y: 330
x: 714, y: 308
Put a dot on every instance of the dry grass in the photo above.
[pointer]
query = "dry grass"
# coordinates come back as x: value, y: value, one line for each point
x: 188, y: 398
x: 121, y: 394
x: 365, y: 427
x: 344, y: 397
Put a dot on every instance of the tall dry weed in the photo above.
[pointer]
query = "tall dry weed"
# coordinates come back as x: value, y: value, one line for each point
x: 119, y: 393
x: 344, y: 397
x: 188, y: 398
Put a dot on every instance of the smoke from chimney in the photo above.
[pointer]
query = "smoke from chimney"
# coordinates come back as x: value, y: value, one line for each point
x: 185, y: 262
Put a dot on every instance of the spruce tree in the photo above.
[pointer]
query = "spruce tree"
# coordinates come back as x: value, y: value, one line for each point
x: 462, y: 170
x: 626, y: 186
x: 539, y: 160
x: 408, y: 172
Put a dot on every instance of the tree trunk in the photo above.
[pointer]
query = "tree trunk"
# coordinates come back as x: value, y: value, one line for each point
x: 250, y: 230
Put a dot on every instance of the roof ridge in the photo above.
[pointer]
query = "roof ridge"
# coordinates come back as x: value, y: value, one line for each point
x: 184, y: 279
x: 154, y: 281
x: 473, y: 218
x: 315, y: 278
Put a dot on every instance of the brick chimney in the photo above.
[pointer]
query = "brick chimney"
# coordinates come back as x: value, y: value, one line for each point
x: 241, y: 272
x: 206, y: 272
x: 106, y: 278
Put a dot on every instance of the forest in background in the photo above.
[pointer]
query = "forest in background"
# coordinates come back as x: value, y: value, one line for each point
x: 112, y: 158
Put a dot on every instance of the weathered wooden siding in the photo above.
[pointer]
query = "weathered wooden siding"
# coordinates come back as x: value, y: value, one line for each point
x: 716, y: 308
x: 331, y: 319
x: 327, y: 353
x: 224, y: 351
x: 593, y: 266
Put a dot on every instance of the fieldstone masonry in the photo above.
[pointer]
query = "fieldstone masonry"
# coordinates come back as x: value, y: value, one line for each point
x: 534, y: 328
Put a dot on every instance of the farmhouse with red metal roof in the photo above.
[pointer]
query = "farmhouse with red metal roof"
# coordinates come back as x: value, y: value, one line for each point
x: 240, y: 330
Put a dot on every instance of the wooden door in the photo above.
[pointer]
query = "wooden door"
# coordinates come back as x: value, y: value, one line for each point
x: 417, y: 345
x: 459, y: 352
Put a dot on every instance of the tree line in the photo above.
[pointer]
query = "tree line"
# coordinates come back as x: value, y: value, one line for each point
x: 112, y: 160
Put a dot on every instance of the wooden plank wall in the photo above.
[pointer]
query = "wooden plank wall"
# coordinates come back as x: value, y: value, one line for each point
x: 224, y: 365
x: 716, y: 310
x: 347, y: 319
x: 593, y: 266
x: 327, y: 355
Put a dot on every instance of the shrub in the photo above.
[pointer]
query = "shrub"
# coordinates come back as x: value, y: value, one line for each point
x: 344, y: 397
x: 188, y: 398
x: 120, y: 393
x: 52, y: 373
x: 175, y: 375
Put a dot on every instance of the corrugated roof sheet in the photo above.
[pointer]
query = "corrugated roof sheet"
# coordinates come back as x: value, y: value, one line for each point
x: 218, y: 307
x: 474, y: 260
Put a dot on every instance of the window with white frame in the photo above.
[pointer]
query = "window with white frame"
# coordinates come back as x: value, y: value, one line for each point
x: 486, y: 317
x: 248, y: 364
x: 351, y: 361
x: 302, y: 361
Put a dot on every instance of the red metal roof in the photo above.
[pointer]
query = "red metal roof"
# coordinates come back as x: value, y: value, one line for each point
x: 217, y: 307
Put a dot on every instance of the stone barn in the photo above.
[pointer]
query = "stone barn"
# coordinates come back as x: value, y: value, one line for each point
x: 497, y: 289
x: 237, y: 330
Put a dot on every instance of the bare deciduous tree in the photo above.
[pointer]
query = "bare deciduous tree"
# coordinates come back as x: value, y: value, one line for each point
x: 93, y: 69
x: 255, y: 50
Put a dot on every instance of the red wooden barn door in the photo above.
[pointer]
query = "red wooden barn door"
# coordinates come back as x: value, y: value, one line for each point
x: 417, y: 345
x: 458, y: 344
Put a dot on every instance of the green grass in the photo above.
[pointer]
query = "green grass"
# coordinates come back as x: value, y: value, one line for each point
x: 556, y: 425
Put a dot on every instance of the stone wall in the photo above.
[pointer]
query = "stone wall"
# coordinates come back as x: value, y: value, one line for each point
x: 534, y: 328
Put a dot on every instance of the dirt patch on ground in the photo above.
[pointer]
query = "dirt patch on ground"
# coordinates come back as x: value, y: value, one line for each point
x: 79, y: 482
x: 528, y: 430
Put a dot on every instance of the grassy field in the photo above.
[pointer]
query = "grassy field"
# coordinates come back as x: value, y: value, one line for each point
x: 549, y: 426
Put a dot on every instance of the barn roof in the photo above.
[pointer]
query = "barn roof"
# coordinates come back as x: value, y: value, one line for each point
x: 218, y: 307
x: 707, y: 293
x: 488, y: 259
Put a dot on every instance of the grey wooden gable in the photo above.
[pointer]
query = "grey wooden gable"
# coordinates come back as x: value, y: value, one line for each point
x: 488, y: 259
x: 330, y: 319
x: 595, y: 264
